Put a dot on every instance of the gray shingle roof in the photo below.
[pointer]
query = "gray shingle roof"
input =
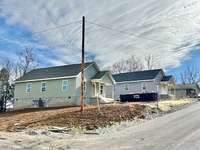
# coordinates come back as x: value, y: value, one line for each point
x: 138, y: 75
x: 167, y: 78
x: 100, y: 74
x: 53, y: 72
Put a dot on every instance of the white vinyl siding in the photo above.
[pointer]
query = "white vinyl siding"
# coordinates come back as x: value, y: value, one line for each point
x: 135, y: 87
x: 28, y: 87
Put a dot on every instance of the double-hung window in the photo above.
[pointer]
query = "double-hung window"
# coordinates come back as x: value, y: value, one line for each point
x: 28, y: 87
x: 43, y: 87
x: 101, y: 90
x: 65, y: 85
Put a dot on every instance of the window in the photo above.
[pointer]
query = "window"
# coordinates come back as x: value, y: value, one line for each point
x: 65, y: 85
x: 126, y: 86
x: 28, y: 87
x: 144, y: 88
x: 101, y: 89
x: 43, y: 86
x: 84, y: 86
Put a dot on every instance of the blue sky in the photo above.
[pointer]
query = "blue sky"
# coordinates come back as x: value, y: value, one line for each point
x: 164, y: 29
x: 194, y: 60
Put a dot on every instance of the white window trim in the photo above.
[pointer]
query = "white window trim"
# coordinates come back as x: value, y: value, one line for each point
x: 63, y: 85
x: 27, y: 87
x: 41, y: 87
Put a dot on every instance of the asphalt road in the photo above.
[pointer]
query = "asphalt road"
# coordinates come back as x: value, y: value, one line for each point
x: 176, y: 131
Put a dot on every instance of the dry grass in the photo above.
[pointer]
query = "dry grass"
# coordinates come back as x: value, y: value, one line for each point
x: 169, y: 104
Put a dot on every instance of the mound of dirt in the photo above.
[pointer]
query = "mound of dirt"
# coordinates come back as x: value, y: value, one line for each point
x: 90, y: 119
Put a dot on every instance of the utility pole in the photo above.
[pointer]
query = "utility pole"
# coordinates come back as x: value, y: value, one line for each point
x: 82, y: 65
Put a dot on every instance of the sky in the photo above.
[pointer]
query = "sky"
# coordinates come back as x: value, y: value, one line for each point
x: 166, y: 29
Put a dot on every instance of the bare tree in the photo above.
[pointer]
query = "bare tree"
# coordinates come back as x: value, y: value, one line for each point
x: 129, y: 65
x: 191, y: 75
x: 4, y: 75
x: 16, y: 68
x: 26, y: 61
x: 149, y: 62
x: 133, y: 64
x: 118, y: 67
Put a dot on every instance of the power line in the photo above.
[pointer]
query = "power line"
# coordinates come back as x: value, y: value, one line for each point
x: 56, y: 27
x: 129, y: 34
x: 47, y: 30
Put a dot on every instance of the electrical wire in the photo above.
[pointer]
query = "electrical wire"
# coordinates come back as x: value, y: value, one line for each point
x: 56, y: 27
x: 48, y: 29
x: 129, y: 34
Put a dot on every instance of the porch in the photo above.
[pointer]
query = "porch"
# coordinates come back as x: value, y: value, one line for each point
x: 103, y: 92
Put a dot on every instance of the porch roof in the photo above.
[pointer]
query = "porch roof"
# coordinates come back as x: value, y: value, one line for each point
x: 167, y: 78
x: 99, y: 75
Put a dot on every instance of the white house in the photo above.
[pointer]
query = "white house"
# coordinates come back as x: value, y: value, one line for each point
x: 147, y: 81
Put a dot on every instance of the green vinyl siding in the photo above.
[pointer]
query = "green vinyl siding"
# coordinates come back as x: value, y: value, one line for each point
x: 54, y: 92
x: 54, y: 89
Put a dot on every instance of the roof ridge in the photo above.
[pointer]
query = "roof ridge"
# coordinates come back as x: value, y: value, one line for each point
x: 138, y: 71
x: 64, y: 65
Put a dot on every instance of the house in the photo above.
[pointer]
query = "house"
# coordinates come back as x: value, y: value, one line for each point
x: 187, y: 90
x: 147, y: 81
x: 60, y: 86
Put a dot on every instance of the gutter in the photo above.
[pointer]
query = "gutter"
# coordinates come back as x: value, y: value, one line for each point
x: 151, y: 80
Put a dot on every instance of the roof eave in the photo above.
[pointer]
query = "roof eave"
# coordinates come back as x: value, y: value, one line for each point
x: 45, y: 79
x: 149, y: 80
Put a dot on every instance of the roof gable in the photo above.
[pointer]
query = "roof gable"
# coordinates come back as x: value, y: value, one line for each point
x: 53, y: 72
x: 167, y: 78
x: 138, y: 75
x: 99, y: 75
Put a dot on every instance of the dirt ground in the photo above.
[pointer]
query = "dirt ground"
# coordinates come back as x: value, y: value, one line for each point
x: 71, y: 117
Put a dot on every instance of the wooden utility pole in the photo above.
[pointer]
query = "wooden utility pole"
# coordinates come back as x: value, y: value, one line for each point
x: 82, y: 65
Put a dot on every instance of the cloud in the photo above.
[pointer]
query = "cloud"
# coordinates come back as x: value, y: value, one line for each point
x: 162, y: 28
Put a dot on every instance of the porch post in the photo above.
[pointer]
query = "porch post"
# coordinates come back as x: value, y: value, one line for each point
x: 95, y: 89
x: 113, y: 95
x: 99, y: 87
x: 98, y: 100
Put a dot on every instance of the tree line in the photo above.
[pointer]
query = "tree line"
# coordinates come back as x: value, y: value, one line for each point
x: 26, y: 60
x: 13, y: 69
x: 135, y: 64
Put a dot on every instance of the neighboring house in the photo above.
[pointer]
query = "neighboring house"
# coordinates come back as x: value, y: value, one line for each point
x: 147, y: 81
x: 187, y: 90
x: 60, y: 86
x: 167, y: 86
